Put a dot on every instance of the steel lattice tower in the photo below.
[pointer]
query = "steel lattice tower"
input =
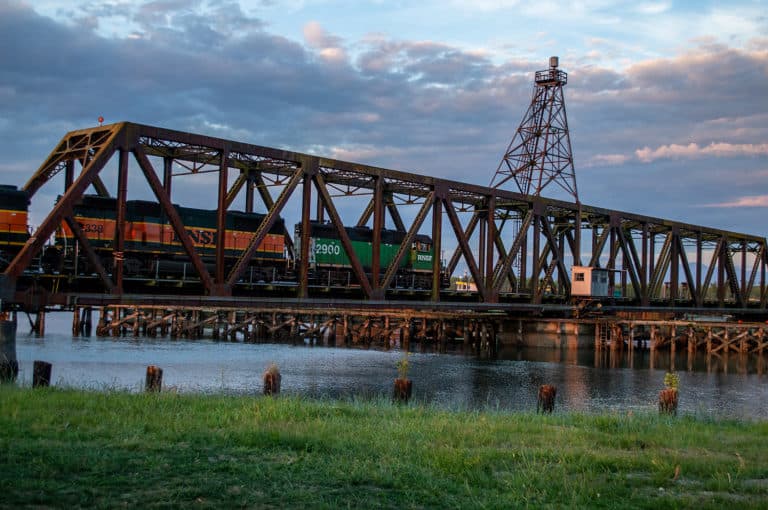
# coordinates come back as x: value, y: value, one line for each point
x: 540, y: 151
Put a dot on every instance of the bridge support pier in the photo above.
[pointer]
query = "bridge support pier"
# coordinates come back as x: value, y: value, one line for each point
x: 38, y: 327
x: 9, y: 366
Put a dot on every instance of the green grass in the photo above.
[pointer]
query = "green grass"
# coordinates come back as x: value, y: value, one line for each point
x: 68, y: 449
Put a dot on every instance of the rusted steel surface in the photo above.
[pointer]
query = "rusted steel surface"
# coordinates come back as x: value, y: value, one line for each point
x: 523, y: 255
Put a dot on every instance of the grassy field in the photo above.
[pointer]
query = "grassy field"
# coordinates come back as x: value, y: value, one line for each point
x: 68, y: 449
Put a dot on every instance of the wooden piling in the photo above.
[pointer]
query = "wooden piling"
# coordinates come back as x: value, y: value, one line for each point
x: 41, y: 374
x: 39, y: 326
x: 546, y: 398
x: 272, y: 379
x: 76, y: 321
x: 402, y: 390
x: 154, y: 380
x: 86, y: 321
x: 668, y: 401
x: 9, y: 366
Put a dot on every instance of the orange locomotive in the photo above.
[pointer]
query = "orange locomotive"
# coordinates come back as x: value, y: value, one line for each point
x: 151, y: 246
x: 14, y: 204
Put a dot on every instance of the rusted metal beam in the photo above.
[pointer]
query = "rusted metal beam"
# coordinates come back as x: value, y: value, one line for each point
x: 120, y: 223
x: 405, y: 245
x: 237, y: 186
x: 394, y: 213
x: 674, y: 271
x: 753, y: 273
x: 711, y: 267
x: 95, y: 162
x: 221, y: 220
x: 660, y: 268
x: 266, y: 224
x: 505, y: 265
x: 693, y: 287
x: 763, y: 283
x: 378, y: 225
x: 173, y: 217
x: 366, y: 215
x: 465, y: 248
x: 90, y: 254
x: 100, y: 187
x: 346, y: 243
x: 83, y: 145
x: 732, y: 278
x: 69, y: 173
x: 437, y: 238
x: 546, y: 229
x: 304, y: 246
x: 538, y: 211
x: 261, y: 187
x: 630, y: 252
x: 598, y: 245
x: 168, y: 175
x: 489, y: 247
x: 645, y: 298
x: 249, y: 192
x: 456, y: 256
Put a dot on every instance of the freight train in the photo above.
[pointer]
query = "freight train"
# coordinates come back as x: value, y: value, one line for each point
x: 152, y: 250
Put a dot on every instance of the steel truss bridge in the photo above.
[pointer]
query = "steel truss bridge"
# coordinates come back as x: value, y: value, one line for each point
x: 518, y: 249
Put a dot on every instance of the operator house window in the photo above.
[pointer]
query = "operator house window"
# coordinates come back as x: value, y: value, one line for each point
x: 578, y: 277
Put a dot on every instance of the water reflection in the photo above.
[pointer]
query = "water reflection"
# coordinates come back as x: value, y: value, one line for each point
x: 588, y: 381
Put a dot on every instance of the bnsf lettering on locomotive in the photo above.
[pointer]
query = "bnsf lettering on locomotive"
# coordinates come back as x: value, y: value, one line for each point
x: 198, y: 236
x: 327, y: 249
x: 423, y: 258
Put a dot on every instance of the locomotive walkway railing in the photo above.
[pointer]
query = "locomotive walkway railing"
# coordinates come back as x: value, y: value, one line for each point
x: 514, y: 247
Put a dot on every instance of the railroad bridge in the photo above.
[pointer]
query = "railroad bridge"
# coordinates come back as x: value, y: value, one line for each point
x: 516, y: 248
x: 400, y: 240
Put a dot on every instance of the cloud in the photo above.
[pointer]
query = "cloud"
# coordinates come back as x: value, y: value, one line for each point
x: 748, y: 201
x: 653, y: 8
x: 421, y: 105
x: 694, y: 151
x: 328, y: 46
x: 608, y: 160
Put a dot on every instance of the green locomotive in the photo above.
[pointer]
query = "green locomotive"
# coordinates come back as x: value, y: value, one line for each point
x: 330, y: 265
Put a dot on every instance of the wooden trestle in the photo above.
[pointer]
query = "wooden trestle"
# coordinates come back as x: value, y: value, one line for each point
x: 711, y: 337
x: 330, y: 327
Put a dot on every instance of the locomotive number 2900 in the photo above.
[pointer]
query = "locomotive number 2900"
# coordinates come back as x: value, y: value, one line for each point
x: 327, y: 249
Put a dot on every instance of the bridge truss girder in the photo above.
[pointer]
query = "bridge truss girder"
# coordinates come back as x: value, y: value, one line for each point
x: 515, y: 247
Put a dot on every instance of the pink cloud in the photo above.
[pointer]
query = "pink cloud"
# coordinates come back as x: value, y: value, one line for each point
x: 693, y: 151
x: 328, y: 46
x: 748, y: 201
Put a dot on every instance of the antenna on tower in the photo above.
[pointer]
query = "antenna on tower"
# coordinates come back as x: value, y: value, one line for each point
x: 540, y: 151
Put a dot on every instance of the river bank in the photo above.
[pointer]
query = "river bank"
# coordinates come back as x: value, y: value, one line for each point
x: 71, y: 448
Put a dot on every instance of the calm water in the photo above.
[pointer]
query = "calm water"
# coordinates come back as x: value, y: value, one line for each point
x: 734, y: 387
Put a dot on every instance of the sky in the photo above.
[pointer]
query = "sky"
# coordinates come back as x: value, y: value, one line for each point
x: 667, y: 102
